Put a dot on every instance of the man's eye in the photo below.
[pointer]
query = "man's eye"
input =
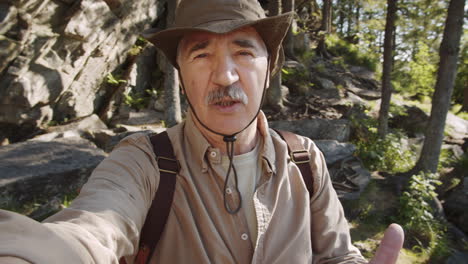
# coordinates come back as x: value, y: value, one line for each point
x: 202, y: 55
x: 245, y: 53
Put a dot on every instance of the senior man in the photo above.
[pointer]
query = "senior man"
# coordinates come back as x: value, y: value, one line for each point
x: 237, y: 196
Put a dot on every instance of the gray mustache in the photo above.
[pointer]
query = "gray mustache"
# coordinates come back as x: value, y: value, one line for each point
x: 232, y: 92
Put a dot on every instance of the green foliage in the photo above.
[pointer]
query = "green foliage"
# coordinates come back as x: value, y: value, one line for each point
x: 138, y: 47
x: 135, y: 50
x: 422, y: 73
x: 461, y: 81
x: 416, y: 212
x: 114, y: 80
x: 397, y: 110
x: 416, y: 215
x: 456, y: 110
x: 138, y: 101
x: 460, y: 163
x: 67, y: 200
x: 447, y: 158
x: 352, y: 54
x: 296, y: 75
x: 379, y: 154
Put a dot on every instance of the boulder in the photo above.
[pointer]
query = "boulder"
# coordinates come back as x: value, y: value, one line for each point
x: 455, y: 206
x: 44, y: 169
x: 108, y: 139
x: 334, y: 150
x: 144, y: 117
x: 457, y: 257
x: 326, y: 93
x: 338, y: 129
x: 349, y: 177
x: 325, y: 83
x: 91, y: 122
x: 75, y: 128
x: 413, y: 120
x: 456, y: 127
x: 363, y: 93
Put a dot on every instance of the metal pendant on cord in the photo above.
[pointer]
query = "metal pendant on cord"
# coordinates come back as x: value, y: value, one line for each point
x: 230, y: 140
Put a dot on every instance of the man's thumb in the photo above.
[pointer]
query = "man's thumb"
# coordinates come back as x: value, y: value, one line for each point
x: 390, y: 246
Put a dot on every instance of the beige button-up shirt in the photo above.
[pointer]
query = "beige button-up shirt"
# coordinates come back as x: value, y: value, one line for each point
x: 103, y: 222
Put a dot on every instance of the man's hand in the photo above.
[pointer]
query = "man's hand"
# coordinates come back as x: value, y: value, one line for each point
x: 390, y: 246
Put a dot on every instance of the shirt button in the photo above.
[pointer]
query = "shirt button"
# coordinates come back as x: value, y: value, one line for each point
x: 244, y: 236
x: 228, y: 190
x: 213, y: 154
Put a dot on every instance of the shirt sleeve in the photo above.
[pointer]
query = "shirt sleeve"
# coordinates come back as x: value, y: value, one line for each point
x: 102, y: 223
x: 331, y: 240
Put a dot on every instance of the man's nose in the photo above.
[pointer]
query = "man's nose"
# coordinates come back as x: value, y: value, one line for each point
x: 225, y: 71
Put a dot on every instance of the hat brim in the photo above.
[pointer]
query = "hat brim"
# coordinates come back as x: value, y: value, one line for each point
x: 271, y: 29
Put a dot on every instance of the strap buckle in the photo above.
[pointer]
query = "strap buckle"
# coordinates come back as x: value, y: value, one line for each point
x: 167, y: 165
x: 300, y: 156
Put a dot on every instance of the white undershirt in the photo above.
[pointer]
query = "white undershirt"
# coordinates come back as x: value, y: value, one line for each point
x: 248, y: 170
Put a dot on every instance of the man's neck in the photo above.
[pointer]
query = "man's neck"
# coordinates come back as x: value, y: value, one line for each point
x: 246, y: 140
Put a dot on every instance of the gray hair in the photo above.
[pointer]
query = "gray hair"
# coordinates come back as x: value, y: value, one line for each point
x: 233, y: 92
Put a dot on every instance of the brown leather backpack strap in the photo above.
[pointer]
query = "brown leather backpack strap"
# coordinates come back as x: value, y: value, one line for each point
x: 300, y: 156
x: 158, y: 213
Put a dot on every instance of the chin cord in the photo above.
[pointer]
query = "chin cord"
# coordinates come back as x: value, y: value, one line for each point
x: 230, y: 140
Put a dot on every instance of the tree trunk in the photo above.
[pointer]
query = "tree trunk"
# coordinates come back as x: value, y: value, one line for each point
x: 288, y: 44
x: 357, y: 17
x: 446, y: 73
x: 349, y: 18
x: 387, y: 68
x: 328, y: 16
x: 273, y: 93
x: 326, y: 28
x: 274, y: 97
x: 171, y: 81
x: 274, y: 7
x: 341, y: 17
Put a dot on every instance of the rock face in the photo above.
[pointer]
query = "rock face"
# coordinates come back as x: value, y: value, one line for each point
x: 316, y: 128
x: 36, y: 168
x: 55, y: 54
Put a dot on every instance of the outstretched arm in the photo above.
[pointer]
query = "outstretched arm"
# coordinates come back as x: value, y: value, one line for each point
x: 101, y: 224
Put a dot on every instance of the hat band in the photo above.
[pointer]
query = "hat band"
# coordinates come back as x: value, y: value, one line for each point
x: 190, y: 17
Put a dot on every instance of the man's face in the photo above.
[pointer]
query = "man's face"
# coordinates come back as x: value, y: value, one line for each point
x: 224, y: 76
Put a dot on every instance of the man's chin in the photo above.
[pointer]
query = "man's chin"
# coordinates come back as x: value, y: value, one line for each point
x: 228, y: 126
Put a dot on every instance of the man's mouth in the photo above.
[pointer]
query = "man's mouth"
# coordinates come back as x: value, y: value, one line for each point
x: 226, y: 103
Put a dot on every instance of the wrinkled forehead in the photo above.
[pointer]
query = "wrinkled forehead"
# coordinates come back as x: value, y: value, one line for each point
x: 246, y: 33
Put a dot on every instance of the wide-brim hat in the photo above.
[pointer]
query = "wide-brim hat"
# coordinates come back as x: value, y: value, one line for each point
x: 222, y: 16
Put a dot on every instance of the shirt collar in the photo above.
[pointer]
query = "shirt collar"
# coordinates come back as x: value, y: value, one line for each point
x: 198, y: 144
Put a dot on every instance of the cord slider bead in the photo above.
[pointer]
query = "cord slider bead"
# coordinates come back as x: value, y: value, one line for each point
x: 229, y: 138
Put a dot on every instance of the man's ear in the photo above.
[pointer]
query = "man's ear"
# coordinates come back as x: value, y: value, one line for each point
x: 181, y: 84
x: 268, y: 76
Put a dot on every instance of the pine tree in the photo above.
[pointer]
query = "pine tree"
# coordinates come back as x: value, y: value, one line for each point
x: 449, y: 49
x: 387, y: 68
